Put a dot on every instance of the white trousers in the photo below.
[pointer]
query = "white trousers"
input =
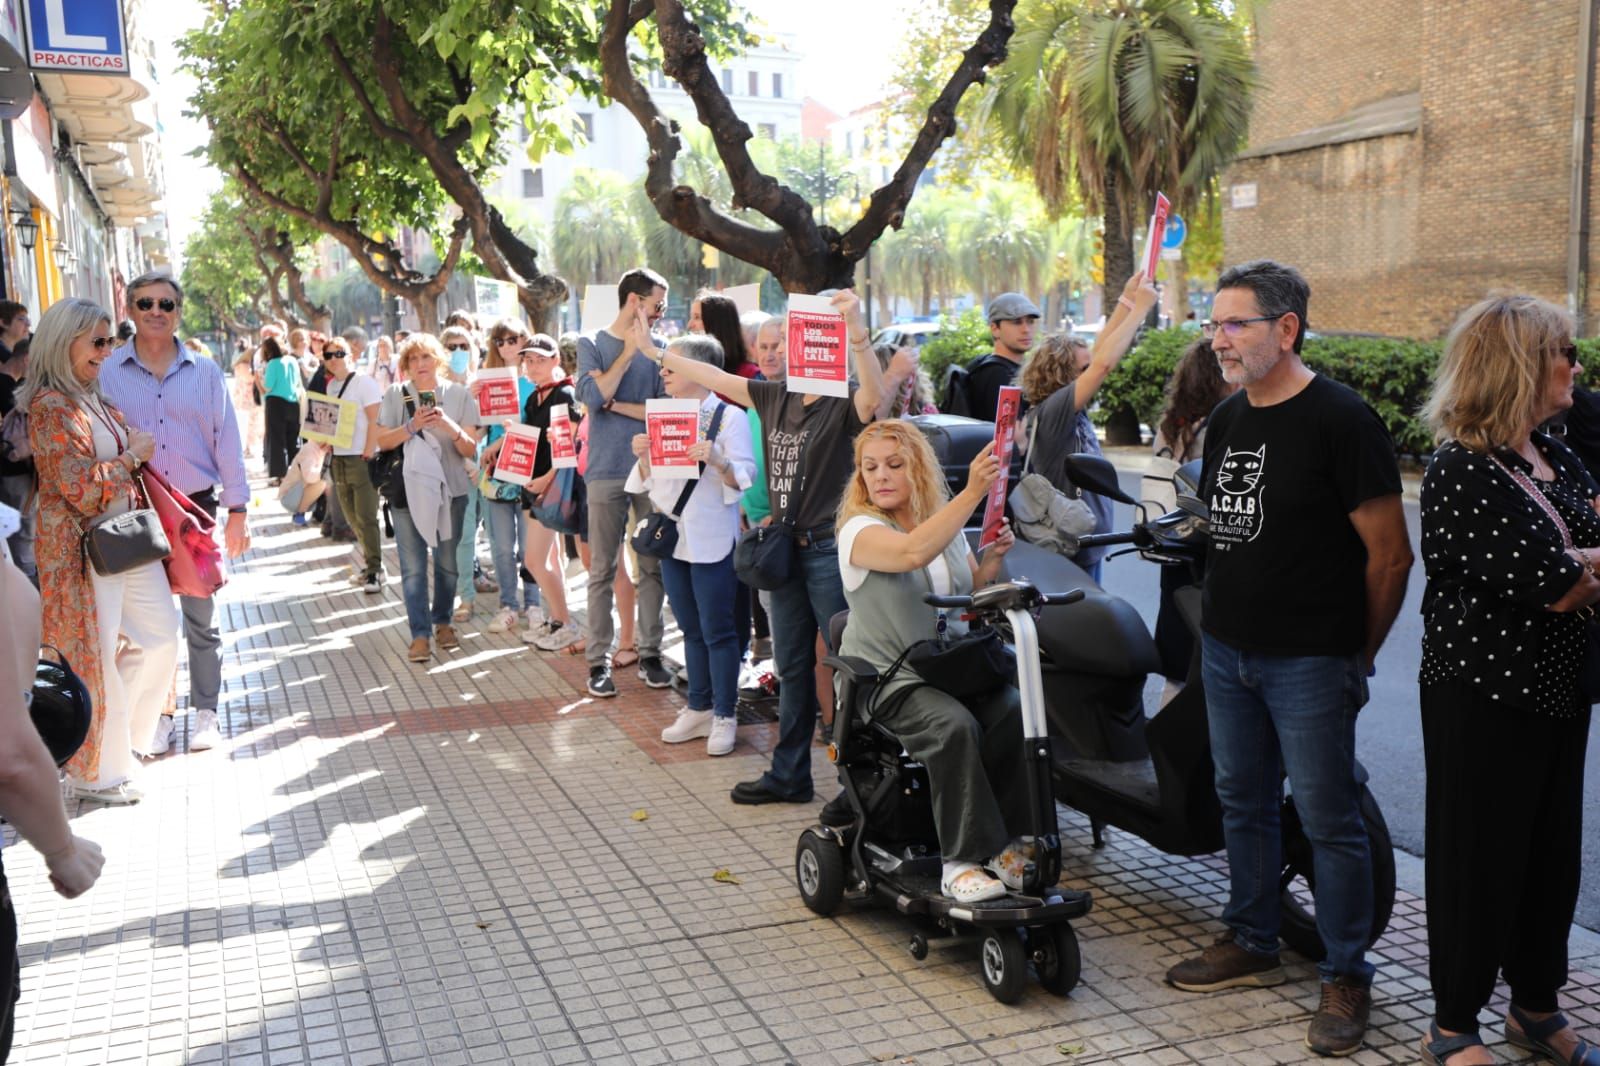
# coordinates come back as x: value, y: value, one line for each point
x: 137, y: 607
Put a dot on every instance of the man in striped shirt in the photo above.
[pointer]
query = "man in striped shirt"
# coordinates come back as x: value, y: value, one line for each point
x: 163, y: 389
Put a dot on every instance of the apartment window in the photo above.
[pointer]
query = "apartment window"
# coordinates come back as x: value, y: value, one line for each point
x: 727, y: 82
x: 777, y: 86
x: 755, y: 84
x: 533, y: 184
x: 849, y: 142
x: 769, y: 130
x: 586, y: 121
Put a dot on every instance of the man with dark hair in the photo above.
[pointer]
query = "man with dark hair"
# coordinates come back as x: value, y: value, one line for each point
x: 614, y: 381
x: 1306, y: 570
x: 1012, y: 321
x: 14, y: 325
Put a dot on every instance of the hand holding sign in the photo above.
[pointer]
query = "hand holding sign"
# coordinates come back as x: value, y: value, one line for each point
x: 497, y: 395
x: 563, y: 449
x: 1005, y: 430
x: 1154, y: 236
x: 514, y: 465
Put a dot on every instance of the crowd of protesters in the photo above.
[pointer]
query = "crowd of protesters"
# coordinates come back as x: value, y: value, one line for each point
x: 1509, y: 543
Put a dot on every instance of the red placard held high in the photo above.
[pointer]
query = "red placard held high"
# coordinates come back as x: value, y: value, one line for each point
x: 1005, y: 436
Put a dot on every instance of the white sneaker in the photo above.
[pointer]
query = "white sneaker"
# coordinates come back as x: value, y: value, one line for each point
x: 723, y: 734
x: 116, y: 796
x: 161, y: 743
x: 206, y: 735
x: 559, y: 639
x: 505, y: 619
x: 534, y: 616
x: 690, y: 726
x: 534, y: 634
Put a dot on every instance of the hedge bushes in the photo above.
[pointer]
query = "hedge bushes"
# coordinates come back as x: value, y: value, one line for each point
x: 1391, y: 374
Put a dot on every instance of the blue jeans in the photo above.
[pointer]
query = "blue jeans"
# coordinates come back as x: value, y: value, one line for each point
x: 467, y: 546
x: 702, y: 596
x: 504, y: 519
x: 799, y: 610
x: 413, y: 552
x: 1268, y: 714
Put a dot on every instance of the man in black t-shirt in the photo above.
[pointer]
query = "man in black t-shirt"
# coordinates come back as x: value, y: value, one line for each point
x: 1306, y: 570
x: 1012, y: 320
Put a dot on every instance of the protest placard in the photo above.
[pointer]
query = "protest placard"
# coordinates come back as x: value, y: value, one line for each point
x: 600, y: 306
x: 818, y: 348
x: 674, y: 428
x: 494, y: 299
x: 329, y: 420
x: 499, y: 400
x: 1154, y: 235
x: 563, y: 447
x: 514, y: 465
x: 745, y: 297
x: 1005, y: 436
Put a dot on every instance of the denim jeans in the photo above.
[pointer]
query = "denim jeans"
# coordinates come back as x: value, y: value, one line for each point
x: 467, y: 546
x: 1268, y: 714
x: 504, y: 519
x: 799, y: 610
x: 702, y: 596
x: 413, y: 552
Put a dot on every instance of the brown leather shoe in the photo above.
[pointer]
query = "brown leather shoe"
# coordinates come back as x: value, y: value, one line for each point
x: 1226, y: 965
x: 419, y: 652
x: 1341, y: 1019
x: 445, y: 637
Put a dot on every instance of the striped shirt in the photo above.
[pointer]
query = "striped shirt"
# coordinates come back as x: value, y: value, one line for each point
x: 189, y: 414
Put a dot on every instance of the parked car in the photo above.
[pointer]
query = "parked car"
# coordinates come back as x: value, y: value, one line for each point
x: 902, y: 334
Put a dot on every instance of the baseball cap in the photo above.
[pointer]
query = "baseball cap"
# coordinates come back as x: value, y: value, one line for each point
x: 1009, y: 305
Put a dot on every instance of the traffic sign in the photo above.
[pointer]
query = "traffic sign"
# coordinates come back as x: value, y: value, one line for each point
x: 77, y: 36
x: 1177, y: 230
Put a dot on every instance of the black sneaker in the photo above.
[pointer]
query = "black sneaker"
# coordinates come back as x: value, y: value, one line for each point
x: 372, y: 584
x: 600, y: 683
x: 653, y: 674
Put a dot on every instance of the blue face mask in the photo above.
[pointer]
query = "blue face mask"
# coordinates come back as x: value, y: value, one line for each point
x: 459, y: 361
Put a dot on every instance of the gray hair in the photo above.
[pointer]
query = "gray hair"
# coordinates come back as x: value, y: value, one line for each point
x: 355, y: 335
x: 154, y: 277
x: 701, y: 347
x: 458, y: 333
x: 1279, y: 290
x: 50, y: 361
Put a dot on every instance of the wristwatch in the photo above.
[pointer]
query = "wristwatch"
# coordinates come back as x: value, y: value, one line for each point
x: 238, y: 510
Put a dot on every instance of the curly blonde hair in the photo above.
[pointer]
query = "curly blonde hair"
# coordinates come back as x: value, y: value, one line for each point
x: 421, y: 344
x: 929, y: 492
x: 1051, y: 367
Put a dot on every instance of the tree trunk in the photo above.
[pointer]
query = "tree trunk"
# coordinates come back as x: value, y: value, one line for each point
x: 426, y: 304
x: 927, y: 297
x: 1180, y: 291
x: 1119, y: 246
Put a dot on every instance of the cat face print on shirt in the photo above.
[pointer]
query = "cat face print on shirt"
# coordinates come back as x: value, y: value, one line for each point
x: 1237, y: 497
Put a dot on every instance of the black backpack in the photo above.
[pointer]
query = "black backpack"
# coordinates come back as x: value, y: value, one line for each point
x: 958, y: 386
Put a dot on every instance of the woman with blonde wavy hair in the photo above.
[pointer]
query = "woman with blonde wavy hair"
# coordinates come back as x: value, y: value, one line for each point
x: 900, y: 538
x: 1510, y: 545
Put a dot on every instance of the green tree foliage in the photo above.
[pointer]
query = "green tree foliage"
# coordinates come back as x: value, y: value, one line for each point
x: 223, y: 281
x: 920, y: 258
x: 961, y: 338
x: 1003, y: 243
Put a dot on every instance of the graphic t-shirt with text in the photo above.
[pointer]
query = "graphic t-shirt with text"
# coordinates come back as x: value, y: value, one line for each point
x: 1286, y: 570
x: 814, y: 442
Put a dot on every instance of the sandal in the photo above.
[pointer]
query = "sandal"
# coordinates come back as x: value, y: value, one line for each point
x: 1010, y: 865
x: 1438, y: 1047
x: 971, y: 883
x: 1533, y: 1035
x: 628, y: 656
x: 575, y: 648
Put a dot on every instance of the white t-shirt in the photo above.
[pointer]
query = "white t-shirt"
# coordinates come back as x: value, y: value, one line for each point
x: 853, y: 575
x: 362, y: 391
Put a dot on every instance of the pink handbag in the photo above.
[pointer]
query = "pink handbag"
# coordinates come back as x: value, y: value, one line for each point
x: 195, y: 566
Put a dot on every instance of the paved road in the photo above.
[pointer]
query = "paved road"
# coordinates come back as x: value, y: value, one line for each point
x: 1389, y: 737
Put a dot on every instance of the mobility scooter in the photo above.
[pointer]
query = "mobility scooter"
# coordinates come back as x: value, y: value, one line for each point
x: 890, y: 849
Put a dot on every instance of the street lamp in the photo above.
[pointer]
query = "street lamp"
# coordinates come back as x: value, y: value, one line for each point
x: 62, y: 255
x: 27, y: 230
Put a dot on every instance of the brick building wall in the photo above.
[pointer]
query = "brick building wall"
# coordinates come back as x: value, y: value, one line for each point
x: 1398, y: 230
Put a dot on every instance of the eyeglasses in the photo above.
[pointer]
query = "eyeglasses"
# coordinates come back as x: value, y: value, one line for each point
x: 1235, y: 326
x: 332, y: 354
x: 102, y: 343
x: 458, y: 348
x: 145, y: 303
x: 1569, y: 352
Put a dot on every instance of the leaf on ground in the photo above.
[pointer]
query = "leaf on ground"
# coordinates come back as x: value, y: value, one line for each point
x: 640, y: 815
x: 1070, y: 1049
x: 725, y: 876
x: 483, y: 925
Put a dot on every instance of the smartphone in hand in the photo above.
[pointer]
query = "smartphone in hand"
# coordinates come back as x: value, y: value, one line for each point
x: 426, y: 398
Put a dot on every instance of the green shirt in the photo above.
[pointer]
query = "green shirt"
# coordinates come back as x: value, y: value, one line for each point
x: 282, y: 379
x: 754, y: 502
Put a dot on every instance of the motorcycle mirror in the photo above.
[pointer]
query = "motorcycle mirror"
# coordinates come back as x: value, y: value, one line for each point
x: 1193, y: 505
x: 1094, y: 473
x: 1187, y: 479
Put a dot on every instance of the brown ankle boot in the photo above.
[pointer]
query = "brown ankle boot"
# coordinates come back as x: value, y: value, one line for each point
x: 1225, y: 965
x: 1341, y: 1019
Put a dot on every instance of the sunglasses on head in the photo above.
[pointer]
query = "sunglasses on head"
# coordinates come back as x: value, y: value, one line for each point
x: 167, y: 304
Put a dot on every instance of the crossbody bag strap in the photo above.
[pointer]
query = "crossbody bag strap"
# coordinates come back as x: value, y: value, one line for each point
x: 688, y: 490
x: 1539, y: 498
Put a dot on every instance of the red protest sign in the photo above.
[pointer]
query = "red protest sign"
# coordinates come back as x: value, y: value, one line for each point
x: 674, y: 428
x: 563, y: 449
x: 499, y: 400
x: 1155, y: 234
x: 817, y: 348
x: 514, y: 465
x: 1005, y: 435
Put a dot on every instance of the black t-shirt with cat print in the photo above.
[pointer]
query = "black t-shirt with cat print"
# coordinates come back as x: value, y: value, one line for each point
x: 1286, y: 571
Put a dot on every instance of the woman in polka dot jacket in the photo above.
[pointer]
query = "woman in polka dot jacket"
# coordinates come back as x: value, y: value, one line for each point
x: 1510, y: 544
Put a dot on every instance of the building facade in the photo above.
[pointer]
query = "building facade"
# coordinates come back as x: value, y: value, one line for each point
x: 1413, y: 155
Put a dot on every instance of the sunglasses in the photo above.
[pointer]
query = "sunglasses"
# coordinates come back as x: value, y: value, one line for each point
x: 145, y: 303
x: 332, y: 354
x: 458, y: 348
x: 1569, y: 352
x: 513, y: 339
x: 102, y: 343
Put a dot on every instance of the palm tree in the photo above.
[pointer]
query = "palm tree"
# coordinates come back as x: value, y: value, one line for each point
x: 1072, y: 260
x: 1003, y: 245
x: 1113, y: 100
x: 919, y: 261
x: 594, y: 237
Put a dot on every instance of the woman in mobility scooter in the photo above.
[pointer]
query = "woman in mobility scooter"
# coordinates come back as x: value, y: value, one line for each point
x: 900, y: 543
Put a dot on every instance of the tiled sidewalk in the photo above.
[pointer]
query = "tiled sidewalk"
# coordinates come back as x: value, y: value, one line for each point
x: 448, y: 864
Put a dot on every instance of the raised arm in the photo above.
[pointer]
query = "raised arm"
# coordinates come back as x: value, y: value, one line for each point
x: 1138, y: 297
x: 705, y: 375
x: 869, y: 372
x: 889, y: 551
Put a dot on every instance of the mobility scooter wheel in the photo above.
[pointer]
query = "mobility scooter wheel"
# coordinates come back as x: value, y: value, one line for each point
x: 1056, y: 958
x: 819, y: 871
x: 1005, y: 965
x: 918, y: 946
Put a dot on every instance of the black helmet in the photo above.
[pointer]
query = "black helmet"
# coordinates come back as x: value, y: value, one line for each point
x: 61, y: 708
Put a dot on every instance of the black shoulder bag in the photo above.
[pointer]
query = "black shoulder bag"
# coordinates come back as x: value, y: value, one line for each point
x: 764, y: 556
x: 656, y: 534
x: 964, y: 666
x: 387, y: 468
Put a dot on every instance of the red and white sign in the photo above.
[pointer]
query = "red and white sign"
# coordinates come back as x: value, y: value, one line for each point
x: 563, y: 448
x: 515, y: 462
x: 674, y: 428
x: 1154, y: 236
x: 818, y: 349
x: 498, y: 399
x: 1005, y: 438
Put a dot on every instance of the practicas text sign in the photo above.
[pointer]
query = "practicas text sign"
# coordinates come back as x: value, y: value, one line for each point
x: 77, y: 36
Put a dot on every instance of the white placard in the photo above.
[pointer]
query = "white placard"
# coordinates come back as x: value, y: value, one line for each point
x: 514, y: 464
x: 600, y: 307
x: 746, y: 298
x: 495, y: 299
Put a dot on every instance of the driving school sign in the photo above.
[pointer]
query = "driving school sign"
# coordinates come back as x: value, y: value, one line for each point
x: 77, y: 36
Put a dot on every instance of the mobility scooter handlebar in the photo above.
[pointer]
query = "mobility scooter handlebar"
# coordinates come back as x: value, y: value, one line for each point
x: 1015, y: 595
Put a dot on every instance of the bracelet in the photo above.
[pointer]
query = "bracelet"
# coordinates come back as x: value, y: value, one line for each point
x: 858, y: 342
x: 1125, y: 302
x: 1588, y: 562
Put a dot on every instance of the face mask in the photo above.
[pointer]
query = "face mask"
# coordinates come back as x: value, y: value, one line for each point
x: 460, y: 360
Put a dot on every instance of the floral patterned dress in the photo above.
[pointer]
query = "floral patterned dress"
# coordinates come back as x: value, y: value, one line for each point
x: 74, y: 487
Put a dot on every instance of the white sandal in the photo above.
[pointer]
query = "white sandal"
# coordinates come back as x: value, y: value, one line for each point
x: 1009, y: 865
x: 967, y: 882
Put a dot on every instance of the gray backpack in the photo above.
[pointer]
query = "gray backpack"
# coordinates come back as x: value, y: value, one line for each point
x: 1043, y: 515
